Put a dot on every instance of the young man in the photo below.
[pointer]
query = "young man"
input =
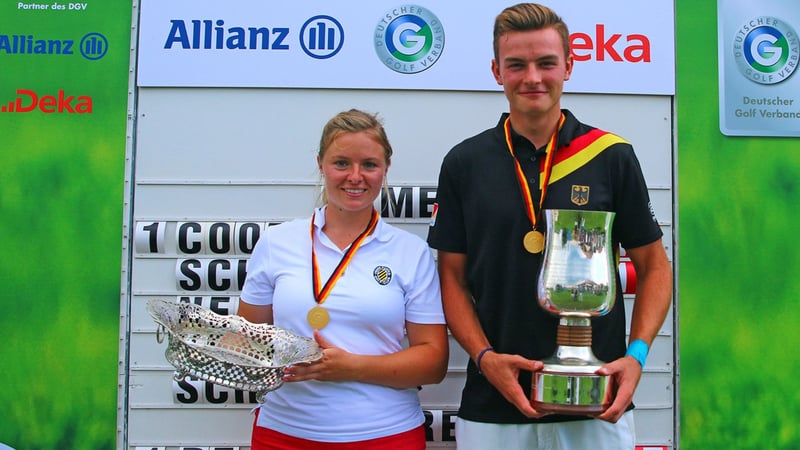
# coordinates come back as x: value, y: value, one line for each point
x: 489, y: 278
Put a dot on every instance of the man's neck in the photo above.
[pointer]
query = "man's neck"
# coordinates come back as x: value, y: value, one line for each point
x: 537, y: 129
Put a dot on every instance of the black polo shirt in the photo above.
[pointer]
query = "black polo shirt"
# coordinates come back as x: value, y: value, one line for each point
x: 481, y: 213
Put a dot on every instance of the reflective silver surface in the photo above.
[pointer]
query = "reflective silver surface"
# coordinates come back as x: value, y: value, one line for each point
x: 227, y: 349
x: 576, y: 282
x: 577, y: 272
x: 568, y: 384
x: 569, y: 393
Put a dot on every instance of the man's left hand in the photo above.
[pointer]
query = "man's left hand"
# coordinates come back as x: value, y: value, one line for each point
x: 625, y: 375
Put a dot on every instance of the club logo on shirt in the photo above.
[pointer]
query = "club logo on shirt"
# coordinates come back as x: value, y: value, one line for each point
x: 383, y: 275
x: 580, y: 195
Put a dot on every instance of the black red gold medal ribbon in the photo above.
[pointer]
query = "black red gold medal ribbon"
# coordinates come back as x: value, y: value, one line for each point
x: 318, y: 316
x: 534, y: 239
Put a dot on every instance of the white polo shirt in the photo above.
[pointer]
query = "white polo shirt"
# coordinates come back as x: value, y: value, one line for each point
x: 391, y: 279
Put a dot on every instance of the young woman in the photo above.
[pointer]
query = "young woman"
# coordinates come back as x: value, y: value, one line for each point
x: 360, y: 287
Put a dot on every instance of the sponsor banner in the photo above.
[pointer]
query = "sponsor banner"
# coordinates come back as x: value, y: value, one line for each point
x: 759, y: 51
x: 620, y: 46
x: 63, y: 97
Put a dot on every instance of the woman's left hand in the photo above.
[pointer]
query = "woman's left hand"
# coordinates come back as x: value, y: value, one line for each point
x: 423, y: 362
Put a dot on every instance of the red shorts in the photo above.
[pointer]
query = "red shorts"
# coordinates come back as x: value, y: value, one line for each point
x: 266, y: 439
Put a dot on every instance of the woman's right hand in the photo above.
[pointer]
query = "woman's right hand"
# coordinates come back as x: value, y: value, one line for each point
x: 335, y: 365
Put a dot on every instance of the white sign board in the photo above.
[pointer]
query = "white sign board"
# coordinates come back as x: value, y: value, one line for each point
x: 620, y: 46
x: 759, y: 53
x: 211, y: 165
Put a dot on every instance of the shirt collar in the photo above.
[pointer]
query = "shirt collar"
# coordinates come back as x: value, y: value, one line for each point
x: 565, y: 136
x: 381, y: 233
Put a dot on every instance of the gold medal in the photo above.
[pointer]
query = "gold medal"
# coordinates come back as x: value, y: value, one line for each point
x: 318, y: 317
x: 533, y: 241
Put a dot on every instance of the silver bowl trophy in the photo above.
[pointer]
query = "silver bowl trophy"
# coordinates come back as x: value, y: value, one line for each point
x: 577, y: 281
x: 228, y: 350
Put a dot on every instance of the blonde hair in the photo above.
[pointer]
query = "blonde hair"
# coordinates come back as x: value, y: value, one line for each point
x: 353, y: 121
x: 527, y: 17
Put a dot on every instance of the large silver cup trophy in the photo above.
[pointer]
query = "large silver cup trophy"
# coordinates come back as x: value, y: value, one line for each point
x: 577, y: 281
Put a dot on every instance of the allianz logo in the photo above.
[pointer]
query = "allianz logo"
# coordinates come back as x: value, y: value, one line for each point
x: 319, y: 37
x: 91, y: 46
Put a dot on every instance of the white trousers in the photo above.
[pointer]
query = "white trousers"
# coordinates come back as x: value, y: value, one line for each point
x: 576, y: 435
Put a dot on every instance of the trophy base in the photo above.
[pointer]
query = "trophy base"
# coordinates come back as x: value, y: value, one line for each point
x: 574, y: 390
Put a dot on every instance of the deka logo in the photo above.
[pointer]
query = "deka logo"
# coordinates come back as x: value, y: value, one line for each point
x: 29, y: 101
x: 635, y: 48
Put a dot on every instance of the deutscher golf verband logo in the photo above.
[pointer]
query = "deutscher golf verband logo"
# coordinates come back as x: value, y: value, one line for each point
x: 409, y: 39
x: 766, y: 49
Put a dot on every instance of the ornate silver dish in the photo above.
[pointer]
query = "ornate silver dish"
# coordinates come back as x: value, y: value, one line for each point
x: 228, y: 350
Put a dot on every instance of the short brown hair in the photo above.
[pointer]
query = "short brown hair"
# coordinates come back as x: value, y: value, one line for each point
x: 527, y: 17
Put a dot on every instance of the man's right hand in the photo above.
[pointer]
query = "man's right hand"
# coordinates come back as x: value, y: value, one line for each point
x: 502, y: 370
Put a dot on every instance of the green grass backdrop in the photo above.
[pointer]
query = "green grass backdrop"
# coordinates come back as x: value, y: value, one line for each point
x: 738, y: 210
x: 61, y: 181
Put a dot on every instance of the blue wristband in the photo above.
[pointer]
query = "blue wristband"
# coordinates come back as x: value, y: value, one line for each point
x: 638, y: 350
x: 480, y: 357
